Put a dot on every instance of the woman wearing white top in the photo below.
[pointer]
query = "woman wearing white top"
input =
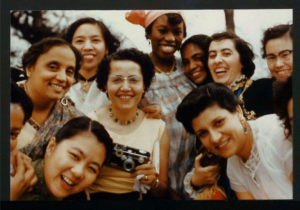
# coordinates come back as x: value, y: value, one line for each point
x: 259, y: 155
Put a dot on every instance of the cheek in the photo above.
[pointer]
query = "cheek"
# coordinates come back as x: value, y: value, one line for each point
x: 13, y: 144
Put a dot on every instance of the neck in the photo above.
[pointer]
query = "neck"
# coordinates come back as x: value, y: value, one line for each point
x: 165, y: 65
x: 88, y: 73
x: 123, y: 115
x: 245, y: 151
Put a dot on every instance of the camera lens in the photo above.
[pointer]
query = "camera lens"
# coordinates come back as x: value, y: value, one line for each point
x: 129, y: 165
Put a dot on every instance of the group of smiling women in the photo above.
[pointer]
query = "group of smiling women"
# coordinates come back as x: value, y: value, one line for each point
x: 209, y: 128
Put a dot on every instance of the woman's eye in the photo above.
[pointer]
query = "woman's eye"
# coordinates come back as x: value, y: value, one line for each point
x: 53, y: 66
x: 13, y: 136
x: 202, y: 134
x: 70, y: 71
x: 74, y: 156
x: 185, y: 63
x: 92, y: 169
x: 219, y: 122
x: 162, y: 31
x: 226, y: 53
x: 79, y: 41
x: 177, y: 33
x: 96, y: 40
x: 212, y: 55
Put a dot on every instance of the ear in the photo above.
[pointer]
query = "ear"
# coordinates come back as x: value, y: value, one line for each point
x: 51, y: 146
x: 28, y: 70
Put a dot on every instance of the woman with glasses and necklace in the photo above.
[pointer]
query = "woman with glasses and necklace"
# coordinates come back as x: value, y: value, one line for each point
x: 230, y: 61
x: 125, y: 76
x: 165, y: 30
x: 278, y: 50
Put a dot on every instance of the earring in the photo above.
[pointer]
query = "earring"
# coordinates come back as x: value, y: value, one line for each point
x: 28, y: 73
x: 149, y: 41
x: 244, y: 123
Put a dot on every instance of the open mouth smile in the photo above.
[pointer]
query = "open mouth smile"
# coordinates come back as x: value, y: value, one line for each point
x: 67, y: 181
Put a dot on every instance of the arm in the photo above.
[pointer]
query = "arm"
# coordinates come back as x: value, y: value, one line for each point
x: 152, y: 111
x: 244, y: 196
x: 149, y: 169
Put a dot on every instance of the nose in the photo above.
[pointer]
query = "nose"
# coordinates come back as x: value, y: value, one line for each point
x: 125, y: 85
x: 87, y: 45
x: 279, y: 62
x: 61, y: 75
x: 218, y: 58
x: 77, y: 171
x: 215, y: 137
x: 192, y: 65
x: 170, y: 37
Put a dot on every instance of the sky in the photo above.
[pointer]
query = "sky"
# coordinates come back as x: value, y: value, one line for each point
x: 249, y: 25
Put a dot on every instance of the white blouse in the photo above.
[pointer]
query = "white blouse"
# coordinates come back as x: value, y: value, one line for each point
x: 266, y: 173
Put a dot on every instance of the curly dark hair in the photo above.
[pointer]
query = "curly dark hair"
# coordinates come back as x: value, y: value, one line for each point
x: 111, y: 42
x: 36, y: 50
x: 243, y: 47
x: 131, y: 54
x: 173, y: 19
x: 275, y: 32
x: 282, y: 93
x: 203, y: 97
x: 18, y: 96
x: 80, y: 124
x: 201, y: 41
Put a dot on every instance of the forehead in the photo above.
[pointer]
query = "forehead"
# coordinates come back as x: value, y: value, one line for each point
x: 124, y: 67
x: 163, y: 21
x: 61, y: 53
x: 191, y: 49
x: 86, y: 29
x: 222, y: 44
x: 16, y: 115
x: 279, y: 44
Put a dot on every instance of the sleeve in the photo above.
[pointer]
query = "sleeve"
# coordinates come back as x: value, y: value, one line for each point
x: 234, y: 176
x: 187, y: 185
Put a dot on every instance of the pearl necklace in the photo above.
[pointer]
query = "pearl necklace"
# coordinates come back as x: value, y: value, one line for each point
x: 166, y: 73
x: 126, y: 122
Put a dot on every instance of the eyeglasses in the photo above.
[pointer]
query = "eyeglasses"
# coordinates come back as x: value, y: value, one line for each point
x: 119, y: 80
x: 283, y: 55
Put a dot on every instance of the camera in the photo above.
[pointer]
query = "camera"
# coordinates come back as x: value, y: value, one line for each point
x: 127, y: 158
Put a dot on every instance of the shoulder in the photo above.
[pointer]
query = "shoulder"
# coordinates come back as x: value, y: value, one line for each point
x: 264, y: 84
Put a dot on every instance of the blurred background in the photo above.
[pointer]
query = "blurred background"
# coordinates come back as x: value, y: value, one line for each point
x: 28, y: 27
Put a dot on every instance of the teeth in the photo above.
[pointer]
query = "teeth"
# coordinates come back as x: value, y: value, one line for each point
x: 57, y: 87
x: 67, y: 181
x: 220, y: 71
x: 282, y: 72
x: 88, y: 56
x: 223, y: 144
x: 168, y: 47
x: 125, y: 97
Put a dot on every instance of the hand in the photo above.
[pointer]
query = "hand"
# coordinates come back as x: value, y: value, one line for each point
x: 204, y: 175
x: 24, y: 178
x: 152, y: 111
x: 149, y: 171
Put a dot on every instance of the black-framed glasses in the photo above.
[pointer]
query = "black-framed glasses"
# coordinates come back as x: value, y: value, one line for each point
x: 283, y: 55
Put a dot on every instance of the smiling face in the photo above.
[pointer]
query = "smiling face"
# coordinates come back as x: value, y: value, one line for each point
x: 220, y: 131
x: 88, y: 39
x: 193, y: 66
x: 224, y: 61
x: 73, y: 164
x: 125, y: 95
x: 165, y: 38
x: 16, y: 123
x: 52, y: 75
x: 280, y: 69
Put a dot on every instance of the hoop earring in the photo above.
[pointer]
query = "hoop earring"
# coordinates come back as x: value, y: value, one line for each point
x: 149, y: 41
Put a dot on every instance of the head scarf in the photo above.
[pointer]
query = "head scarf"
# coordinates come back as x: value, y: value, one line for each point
x: 139, y: 17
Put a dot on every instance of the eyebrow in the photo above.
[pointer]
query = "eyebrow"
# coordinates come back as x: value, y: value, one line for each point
x: 221, y: 50
x: 81, y: 152
x: 82, y: 36
x: 278, y: 53
x: 197, y: 54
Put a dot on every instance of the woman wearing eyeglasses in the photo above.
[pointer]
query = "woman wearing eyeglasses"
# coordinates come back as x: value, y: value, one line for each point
x: 125, y: 76
x: 278, y: 50
x: 230, y: 61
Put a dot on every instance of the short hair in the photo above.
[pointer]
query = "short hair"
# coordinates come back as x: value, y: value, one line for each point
x: 201, y: 41
x: 275, y: 32
x: 84, y: 124
x: 203, y: 97
x: 36, y: 50
x: 173, y: 19
x: 282, y: 93
x: 18, y: 96
x: 244, y: 49
x: 131, y: 54
x: 111, y: 42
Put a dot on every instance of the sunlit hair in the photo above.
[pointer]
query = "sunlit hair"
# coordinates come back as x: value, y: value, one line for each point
x: 111, y: 42
x: 282, y: 93
x: 275, y: 32
x: 203, y: 97
x: 84, y: 124
x: 173, y: 19
x: 201, y: 41
x: 244, y: 49
x: 131, y: 54
x: 18, y: 96
x: 36, y: 50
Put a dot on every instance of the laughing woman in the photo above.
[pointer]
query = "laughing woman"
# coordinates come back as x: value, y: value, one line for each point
x: 259, y: 156
x: 125, y: 76
x: 230, y: 61
x: 165, y: 30
x: 50, y: 66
